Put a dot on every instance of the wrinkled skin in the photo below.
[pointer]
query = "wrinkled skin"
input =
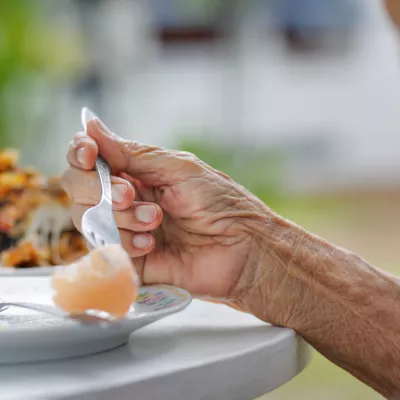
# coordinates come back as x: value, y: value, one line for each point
x: 218, y: 241
x: 185, y: 224
x: 206, y: 228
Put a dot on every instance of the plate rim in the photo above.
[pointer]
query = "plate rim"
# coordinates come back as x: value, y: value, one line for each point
x: 26, y: 272
x: 124, y: 325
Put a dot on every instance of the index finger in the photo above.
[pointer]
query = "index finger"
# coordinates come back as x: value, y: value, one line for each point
x: 82, y: 152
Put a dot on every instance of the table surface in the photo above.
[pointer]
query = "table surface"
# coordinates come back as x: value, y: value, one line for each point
x: 207, y: 351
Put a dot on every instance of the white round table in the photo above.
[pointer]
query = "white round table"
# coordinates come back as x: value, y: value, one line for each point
x: 205, y: 352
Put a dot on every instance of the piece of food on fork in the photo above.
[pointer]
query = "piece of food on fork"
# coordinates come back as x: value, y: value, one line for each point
x: 104, y: 280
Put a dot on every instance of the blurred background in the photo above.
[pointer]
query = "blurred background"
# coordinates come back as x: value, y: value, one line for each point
x: 296, y: 99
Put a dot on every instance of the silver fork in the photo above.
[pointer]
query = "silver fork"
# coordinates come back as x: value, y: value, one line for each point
x: 98, y: 224
x: 96, y: 318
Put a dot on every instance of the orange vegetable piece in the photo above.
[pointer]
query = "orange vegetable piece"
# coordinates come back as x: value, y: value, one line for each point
x: 103, y: 280
x: 13, y: 180
x: 8, y: 159
x: 23, y: 254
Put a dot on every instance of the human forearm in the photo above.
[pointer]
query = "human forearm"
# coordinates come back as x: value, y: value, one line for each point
x: 344, y: 307
x: 393, y: 7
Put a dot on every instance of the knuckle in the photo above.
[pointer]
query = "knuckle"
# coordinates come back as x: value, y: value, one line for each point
x: 80, y: 186
x: 186, y: 155
x: 71, y: 152
x: 136, y: 148
x: 79, y: 137
x: 191, y: 160
x: 130, y: 146
x: 71, y: 145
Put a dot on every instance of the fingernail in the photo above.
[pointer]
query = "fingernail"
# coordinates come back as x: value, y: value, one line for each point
x: 118, y: 192
x: 146, y: 213
x: 141, y: 241
x: 102, y: 126
x: 81, y: 155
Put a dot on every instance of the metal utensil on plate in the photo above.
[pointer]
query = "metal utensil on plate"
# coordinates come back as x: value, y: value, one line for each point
x: 98, y: 224
x: 94, y: 319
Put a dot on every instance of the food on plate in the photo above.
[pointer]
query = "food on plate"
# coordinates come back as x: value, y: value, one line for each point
x: 26, y: 198
x: 24, y: 254
x: 103, y: 280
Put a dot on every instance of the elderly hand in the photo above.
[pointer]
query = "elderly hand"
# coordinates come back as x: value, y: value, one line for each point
x: 207, y: 230
x: 213, y: 238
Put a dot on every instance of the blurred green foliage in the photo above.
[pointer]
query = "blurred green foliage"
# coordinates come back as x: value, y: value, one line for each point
x: 32, y: 49
x: 259, y: 170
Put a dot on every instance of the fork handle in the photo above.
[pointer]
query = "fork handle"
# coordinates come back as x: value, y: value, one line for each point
x: 104, y: 173
x: 36, y: 307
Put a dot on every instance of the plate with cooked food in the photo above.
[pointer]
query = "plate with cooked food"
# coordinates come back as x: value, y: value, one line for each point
x: 102, y: 283
x: 36, y: 231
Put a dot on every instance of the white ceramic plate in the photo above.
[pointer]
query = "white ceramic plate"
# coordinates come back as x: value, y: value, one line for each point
x: 27, y: 336
x: 35, y: 271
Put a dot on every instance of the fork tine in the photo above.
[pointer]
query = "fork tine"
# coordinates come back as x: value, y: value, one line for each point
x: 89, y: 236
x: 100, y: 242
x: 96, y: 239
x: 93, y: 236
x: 98, y: 222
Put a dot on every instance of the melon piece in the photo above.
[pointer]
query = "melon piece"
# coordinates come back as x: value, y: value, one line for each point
x: 104, y: 280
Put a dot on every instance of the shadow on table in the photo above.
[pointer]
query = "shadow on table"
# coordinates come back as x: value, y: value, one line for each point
x: 192, y: 340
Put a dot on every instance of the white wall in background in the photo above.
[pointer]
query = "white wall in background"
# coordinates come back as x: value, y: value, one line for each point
x: 353, y: 101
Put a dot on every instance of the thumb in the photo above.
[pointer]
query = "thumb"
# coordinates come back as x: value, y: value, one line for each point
x: 152, y: 165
